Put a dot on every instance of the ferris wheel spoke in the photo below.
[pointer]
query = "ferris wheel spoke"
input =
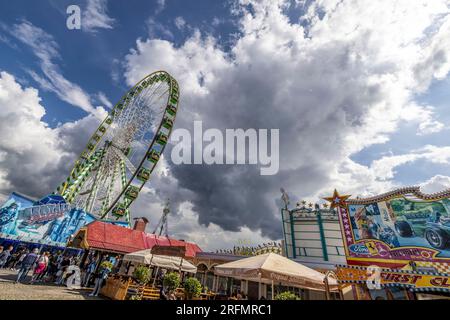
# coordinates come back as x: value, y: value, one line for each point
x: 107, y: 199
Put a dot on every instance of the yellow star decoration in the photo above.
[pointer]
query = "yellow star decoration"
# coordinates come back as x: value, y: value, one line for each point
x: 337, y: 200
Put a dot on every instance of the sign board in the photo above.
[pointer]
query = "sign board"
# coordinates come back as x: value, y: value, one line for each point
x: 395, y: 228
x: 49, y: 221
x: 175, y: 251
x: 420, y: 281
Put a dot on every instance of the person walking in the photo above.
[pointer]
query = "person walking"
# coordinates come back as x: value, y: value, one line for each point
x: 90, y: 269
x: 101, y: 275
x: 4, y: 256
x: 62, y: 270
x: 42, y: 264
x: 27, y: 264
x: 23, y: 254
x: 14, y: 259
x: 44, y: 275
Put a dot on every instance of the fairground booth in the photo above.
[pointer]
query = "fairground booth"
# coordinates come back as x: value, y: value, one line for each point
x: 133, y: 247
x: 396, y: 244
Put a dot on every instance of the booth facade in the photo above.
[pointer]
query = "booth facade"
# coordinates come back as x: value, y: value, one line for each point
x: 396, y: 244
x: 100, y: 239
x: 227, y: 284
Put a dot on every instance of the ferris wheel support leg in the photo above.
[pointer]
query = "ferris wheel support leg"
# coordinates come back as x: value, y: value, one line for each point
x: 93, y: 194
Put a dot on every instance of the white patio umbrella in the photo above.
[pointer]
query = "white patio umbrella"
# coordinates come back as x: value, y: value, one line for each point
x: 166, y: 262
x: 271, y: 267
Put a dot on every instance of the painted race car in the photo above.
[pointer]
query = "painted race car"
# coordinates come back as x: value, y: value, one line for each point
x: 434, y: 229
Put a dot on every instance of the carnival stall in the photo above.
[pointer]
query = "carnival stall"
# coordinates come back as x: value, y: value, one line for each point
x: 122, y: 284
x: 271, y: 268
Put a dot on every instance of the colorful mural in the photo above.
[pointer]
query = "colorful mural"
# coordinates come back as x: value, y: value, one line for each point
x: 49, y: 221
x: 395, y: 228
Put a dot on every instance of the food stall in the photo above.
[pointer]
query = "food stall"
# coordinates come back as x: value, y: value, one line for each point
x: 271, y: 269
x: 122, y: 284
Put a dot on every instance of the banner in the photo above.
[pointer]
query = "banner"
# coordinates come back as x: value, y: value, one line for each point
x: 419, y: 281
x: 49, y: 221
x: 393, y: 229
x: 175, y: 251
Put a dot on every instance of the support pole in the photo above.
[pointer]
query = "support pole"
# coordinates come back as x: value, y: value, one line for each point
x: 327, y: 285
x: 327, y: 288
x: 156, y: 274
x: 259, y: 286
x: 273, y: 293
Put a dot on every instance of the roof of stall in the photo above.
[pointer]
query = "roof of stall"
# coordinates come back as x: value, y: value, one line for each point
x: 273, y: 267
x: 99, y: 235
x: 174, y: 263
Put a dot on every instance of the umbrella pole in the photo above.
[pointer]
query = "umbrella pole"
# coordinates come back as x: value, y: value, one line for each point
x: 327, y: 287
x: 259, y: 286
x: 156, y: 274
x: 272, y: 290
x: 150, y: 265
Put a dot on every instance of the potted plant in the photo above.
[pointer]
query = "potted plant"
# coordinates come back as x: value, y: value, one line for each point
x: 171, y: 280
x: 106, y: 265
x: 287, y: 295
x: 192, y: 288
x: 142, y: 274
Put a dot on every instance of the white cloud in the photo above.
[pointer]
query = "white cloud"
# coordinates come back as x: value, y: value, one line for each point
x: 180, y: 23
x: 96, y: 16
x: 161, y: 5
x: 157, y: 29
x: 384, y: 168
x: 425, y: 117
x: 46, y: 49
x: 212, y: 237
x: 216, y: 21
x: 436, y: 184
x: 104, y: 99
x: 194, y: 63
x: 34, y: 158
x: 340, y: 82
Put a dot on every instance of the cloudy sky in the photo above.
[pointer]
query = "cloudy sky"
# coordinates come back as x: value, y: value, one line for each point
x: 358, y: 89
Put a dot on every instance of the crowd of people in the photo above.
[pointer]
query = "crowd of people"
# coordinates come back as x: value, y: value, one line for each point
x: 42, y: 266
x: 38, y: 266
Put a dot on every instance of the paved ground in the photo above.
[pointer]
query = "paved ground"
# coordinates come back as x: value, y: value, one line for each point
x: 11, y: 291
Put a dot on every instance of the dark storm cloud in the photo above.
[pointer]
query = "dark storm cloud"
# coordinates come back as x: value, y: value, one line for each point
x: 320, y: 91
x: 312, y: 118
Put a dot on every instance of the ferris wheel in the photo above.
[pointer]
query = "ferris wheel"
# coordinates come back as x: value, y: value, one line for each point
x: 124, y: 150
